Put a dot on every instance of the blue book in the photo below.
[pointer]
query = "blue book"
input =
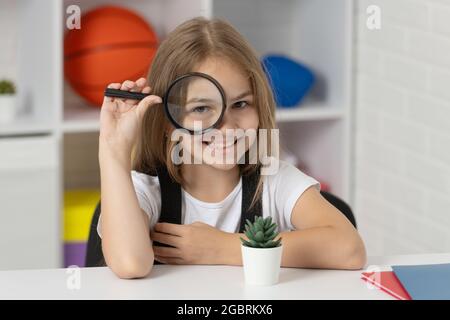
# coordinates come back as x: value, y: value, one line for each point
x: 425, y: 282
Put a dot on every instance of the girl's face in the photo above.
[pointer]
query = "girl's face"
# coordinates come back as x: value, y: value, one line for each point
x: 222, y: 148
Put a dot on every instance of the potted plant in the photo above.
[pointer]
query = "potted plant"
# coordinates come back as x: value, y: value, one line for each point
x: 7, y: 101
x: 261, y: 253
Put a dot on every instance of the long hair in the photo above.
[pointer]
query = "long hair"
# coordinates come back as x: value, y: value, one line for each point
x: 190, y: 44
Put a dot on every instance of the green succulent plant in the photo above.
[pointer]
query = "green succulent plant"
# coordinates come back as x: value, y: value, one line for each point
x: 261, y: 233
x: 7, y: 87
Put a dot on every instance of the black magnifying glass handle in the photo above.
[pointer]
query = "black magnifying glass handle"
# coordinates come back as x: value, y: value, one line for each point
x: 116, y: 93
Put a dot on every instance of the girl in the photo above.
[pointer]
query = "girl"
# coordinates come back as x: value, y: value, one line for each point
x: 315, y: 234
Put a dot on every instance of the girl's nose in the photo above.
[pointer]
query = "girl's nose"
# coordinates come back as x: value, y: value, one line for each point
x: 228, y: 121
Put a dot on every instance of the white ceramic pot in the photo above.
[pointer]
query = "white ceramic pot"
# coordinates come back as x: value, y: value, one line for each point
x: 261, y: 265
x: 7, y: 108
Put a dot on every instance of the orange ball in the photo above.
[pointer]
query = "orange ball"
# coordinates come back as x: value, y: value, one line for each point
x: 114, y: 44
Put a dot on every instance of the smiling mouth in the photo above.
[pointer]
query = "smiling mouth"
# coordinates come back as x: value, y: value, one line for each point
x: 219, y: 146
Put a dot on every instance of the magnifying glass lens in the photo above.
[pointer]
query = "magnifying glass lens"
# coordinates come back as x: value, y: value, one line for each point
x: 195, y: 103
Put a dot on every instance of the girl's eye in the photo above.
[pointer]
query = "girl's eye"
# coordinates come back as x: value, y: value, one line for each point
x: 241, y: 104
x: 200, y: 109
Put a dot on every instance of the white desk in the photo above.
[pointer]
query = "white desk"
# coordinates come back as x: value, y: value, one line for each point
x: 200, y: 282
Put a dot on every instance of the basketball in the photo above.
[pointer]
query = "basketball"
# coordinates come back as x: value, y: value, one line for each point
x: 113, y: 44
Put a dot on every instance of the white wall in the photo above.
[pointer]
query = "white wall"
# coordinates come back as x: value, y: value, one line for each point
x: 402, y: 186
x: 8, y: 46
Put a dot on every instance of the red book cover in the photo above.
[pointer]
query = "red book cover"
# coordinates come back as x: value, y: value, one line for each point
x: 388, y: 282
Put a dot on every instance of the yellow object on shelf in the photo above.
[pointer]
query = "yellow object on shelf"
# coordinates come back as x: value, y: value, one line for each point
x: 79, y: 206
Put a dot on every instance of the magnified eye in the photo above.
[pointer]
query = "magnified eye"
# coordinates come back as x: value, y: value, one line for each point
x: 200, y: 109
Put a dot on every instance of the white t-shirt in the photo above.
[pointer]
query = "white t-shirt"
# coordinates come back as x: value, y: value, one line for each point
x: 280, y: 193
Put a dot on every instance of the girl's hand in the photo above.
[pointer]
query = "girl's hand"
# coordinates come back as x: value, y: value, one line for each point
x: 196, y: 243
x: 120, y: 119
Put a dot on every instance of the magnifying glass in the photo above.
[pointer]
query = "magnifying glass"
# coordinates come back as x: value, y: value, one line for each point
x: 195, y: 102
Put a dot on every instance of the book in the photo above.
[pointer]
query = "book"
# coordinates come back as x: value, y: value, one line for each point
x: 387, y: 282
x: 425, y: 282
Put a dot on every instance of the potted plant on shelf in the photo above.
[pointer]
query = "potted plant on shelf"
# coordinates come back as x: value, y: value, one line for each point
x: 7, y: 101
x: 261, y: 253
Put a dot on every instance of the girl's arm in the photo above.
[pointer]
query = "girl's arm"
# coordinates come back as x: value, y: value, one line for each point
x: 323, y: 238
x: 126, y: 242
x: 124, y: 226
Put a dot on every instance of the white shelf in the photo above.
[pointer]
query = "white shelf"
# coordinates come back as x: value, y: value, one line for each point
x: 26, y: 126
x: 84, y: 118
x: 309, y: 112
x: 81, y: 118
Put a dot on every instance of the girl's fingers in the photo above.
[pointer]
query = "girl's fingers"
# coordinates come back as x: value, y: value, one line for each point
x: 169, y: 239
x: 146, y: 89
x: 166, y: 252
x: 169, y: 260
x: 141, y: 83
x: 111, y: 86
x: 130, y: 86
x: 127, y: 85
x: 139, y: 87
x: 114, y: 85
x: 136, y: 87
x: 145, y: 103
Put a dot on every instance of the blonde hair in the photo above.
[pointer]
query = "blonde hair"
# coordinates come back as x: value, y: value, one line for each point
x: 190, y: 44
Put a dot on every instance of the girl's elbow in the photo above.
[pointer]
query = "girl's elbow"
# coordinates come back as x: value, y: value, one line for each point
x: 356, y: 257
x: 131, y: 268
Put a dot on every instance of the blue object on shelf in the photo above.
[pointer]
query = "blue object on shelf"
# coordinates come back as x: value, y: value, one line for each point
x: 290, y: 80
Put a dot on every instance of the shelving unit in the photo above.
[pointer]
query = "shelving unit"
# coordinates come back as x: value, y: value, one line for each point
x: 80, y: 119
x: 316, y: 32
x: 309, y: 112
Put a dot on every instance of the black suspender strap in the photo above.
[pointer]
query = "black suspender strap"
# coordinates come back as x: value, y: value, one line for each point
x: 170, y: 201
x: 170, y: 197
x: 249, y: 186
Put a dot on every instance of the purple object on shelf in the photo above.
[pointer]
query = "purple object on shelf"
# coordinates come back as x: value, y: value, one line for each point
x: 74, y: 254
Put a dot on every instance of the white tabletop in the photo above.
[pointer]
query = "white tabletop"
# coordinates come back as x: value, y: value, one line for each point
x: 199, y: 282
